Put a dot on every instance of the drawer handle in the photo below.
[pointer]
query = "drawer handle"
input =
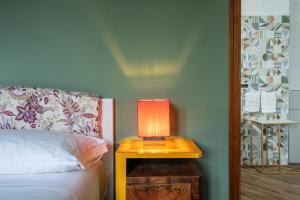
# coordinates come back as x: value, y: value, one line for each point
x: 168, y: 187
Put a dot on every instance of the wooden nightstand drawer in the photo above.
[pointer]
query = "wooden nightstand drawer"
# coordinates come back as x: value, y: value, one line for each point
x: 168, y: 179
x: 159, y: 192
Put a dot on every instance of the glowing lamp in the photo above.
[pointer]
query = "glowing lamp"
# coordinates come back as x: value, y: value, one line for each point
x: 153, y: 118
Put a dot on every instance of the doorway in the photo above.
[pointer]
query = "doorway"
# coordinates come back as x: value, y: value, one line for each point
x: 264, y: 98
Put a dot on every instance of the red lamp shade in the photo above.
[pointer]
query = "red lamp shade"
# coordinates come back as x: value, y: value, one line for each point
x: 153, y: 116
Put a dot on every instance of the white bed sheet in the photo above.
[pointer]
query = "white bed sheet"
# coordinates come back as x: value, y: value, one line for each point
x: 90, y: 184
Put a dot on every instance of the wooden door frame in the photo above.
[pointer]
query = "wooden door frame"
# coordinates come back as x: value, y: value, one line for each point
x: 234, y: 98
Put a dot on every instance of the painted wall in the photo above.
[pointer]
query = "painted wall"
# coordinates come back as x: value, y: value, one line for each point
x: 294, y: 70
x: 294, y: 81
x: 294, y: 138
x: 265, y: 7
x: 129, y: 50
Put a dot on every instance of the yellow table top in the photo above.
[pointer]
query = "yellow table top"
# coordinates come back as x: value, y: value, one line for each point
x: 171, y: 147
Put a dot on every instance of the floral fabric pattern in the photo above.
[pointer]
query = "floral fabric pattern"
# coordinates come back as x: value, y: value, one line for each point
x: 50, y: 109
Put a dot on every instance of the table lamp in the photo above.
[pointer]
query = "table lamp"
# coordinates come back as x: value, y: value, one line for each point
x: 153, y: 118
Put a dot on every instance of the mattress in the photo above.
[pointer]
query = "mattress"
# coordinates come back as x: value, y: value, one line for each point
x: 90, y: 184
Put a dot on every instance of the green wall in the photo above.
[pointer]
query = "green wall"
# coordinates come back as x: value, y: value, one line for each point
x: 128, y: 50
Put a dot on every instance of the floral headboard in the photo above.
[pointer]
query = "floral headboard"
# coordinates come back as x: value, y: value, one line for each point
x: 50, y: 109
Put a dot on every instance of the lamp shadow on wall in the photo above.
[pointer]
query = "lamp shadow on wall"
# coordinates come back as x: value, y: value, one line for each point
x: 150, y: 75
x: 160, y: 64
x: 140, y: 69
x: 143, y: 68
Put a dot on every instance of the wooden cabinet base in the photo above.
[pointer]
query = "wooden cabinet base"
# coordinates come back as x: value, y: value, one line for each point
x: 163, y: 179
x: 163, y: 191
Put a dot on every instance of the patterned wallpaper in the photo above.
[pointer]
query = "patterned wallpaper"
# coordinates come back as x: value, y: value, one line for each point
x: 264, y: 66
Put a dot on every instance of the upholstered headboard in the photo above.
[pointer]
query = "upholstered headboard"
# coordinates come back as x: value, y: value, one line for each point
x: 50, y: 109
x: 59, y: 110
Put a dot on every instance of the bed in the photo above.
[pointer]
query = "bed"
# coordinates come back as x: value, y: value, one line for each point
x: 55, y: 144
x: 80, y: 185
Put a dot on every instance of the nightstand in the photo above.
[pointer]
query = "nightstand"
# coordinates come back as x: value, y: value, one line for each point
x: 173, y: 152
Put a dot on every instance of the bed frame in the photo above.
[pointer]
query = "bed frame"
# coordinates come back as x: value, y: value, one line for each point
x: 108, y: 134
x: 16, y: 99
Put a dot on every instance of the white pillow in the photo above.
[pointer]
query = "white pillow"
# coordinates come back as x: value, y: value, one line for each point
x: 31, y: 151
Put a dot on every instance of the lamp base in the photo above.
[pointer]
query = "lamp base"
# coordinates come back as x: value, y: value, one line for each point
x: 153, y: 138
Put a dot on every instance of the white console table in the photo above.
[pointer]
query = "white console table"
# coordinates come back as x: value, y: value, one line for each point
x: 264, y: 123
